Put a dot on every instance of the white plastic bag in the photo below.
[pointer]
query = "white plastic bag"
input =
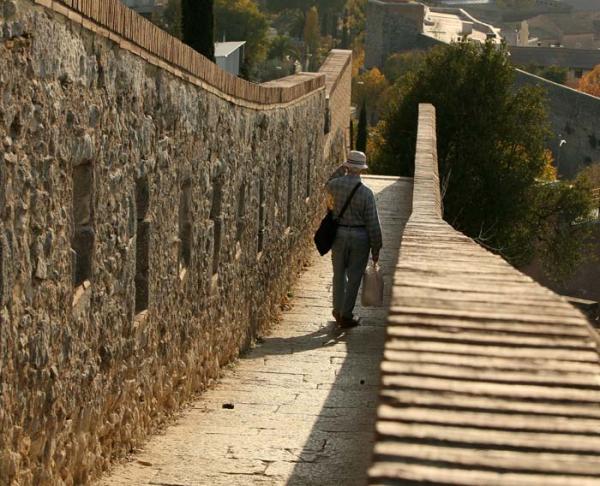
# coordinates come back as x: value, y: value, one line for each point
x: 372, y: 286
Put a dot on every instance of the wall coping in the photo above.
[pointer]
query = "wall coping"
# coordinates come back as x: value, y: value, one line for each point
x: 114, y: 20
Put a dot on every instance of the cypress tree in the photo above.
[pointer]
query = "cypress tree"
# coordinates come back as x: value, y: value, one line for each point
x: 361, y: 135
x: 198, y: 22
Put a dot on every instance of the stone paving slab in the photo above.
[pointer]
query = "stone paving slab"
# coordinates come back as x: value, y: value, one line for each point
x: 304, y: 400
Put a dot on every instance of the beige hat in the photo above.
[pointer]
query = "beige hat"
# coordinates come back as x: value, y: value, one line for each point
x: 356, y: 160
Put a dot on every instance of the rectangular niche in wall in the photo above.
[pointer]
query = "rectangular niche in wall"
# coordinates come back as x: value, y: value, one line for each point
x: 142, y: 250
x: 261, y: 215
x: 308, y: 174
x: 290, y: 193
x: 185, y: 226
x: 82, y: 243
x: 241, y: 212
x: 217, y: 220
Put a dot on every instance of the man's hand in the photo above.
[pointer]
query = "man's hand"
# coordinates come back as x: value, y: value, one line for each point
x: 375, y: 258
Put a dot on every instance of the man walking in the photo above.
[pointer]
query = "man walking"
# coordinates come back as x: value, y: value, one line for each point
x: 359, y: 233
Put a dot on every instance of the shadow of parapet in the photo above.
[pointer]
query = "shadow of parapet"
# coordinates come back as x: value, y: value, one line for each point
x: 339, y: 447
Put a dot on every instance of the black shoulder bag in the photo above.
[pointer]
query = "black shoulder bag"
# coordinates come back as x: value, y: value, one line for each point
x: 325, y: 235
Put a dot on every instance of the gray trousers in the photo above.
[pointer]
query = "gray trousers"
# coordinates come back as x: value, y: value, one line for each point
x: 350, y: 255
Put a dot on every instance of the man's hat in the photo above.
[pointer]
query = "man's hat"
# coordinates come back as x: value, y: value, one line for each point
x: 356, y: 160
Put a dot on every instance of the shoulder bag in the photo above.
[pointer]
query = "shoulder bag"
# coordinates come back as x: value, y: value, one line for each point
x: 325, y: 235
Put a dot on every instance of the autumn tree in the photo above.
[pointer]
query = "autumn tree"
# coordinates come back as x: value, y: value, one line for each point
x: 198, y: 26
x: 590, y: 82
x: 492, y: 155
x: 371, y: 88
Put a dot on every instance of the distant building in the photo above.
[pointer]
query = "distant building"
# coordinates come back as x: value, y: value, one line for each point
x: 516, y: 34
x: 578, y: 30
x: 401, y: 25
x: 230, y: 56
x: 145, y: 7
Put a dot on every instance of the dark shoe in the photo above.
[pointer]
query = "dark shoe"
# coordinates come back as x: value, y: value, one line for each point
x: 337, y: 316
x: 348, y: 322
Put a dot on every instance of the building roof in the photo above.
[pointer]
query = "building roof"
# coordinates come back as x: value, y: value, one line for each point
x: 224, y: 49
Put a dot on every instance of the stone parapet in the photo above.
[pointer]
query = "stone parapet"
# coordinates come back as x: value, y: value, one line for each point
x: 337, y: 69
x: 487, y: 377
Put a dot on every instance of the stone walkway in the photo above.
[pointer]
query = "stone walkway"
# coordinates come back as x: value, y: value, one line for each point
x: 298, y: 409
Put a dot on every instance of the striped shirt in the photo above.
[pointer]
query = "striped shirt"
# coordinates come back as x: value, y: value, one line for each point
x: 362, y: 210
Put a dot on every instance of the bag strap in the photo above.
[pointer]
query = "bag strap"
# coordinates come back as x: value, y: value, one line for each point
x: 349, y: 199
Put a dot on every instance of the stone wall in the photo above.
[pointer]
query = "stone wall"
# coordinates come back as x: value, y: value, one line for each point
x: 391, y: 27
x: 575, y: 118
x: 151, y: 221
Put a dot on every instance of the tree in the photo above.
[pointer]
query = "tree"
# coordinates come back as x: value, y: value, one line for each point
x: 590, y: 82
x: 492, y: 155
x: 281, y: 47
x: 197, y: 26
x: 312, y: 35
x: 371, y: 87
x: 553, y: 73
x: 401, y: 63
x: 362, y: 131
x: 241, y: 20
x: 169, y: 18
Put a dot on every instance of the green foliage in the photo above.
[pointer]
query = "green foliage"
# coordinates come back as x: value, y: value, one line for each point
x: 241, y: 20
x: 491, y: 147
x: 559, y: 215
x: 198, y: 26
x: 401, y: 63
x: 281, y: 47
x: 312, y: 35
x: 169, y: 18
x: 362, y: 131
x: 289, y: 22
x: 371, y: 87
x: 553, y: 73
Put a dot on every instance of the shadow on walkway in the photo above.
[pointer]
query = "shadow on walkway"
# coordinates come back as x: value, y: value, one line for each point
x: 353, y: 397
